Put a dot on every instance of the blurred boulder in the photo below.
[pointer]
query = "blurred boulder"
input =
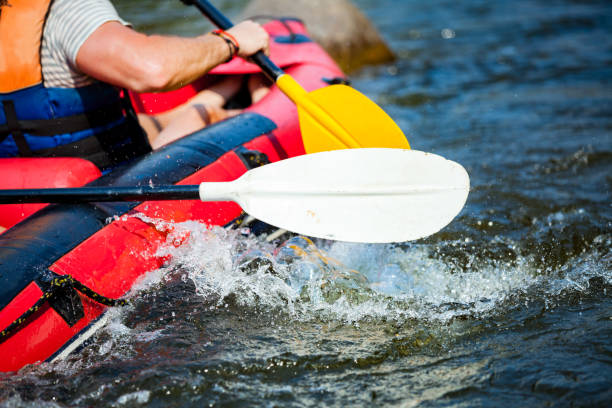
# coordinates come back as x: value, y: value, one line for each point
x: 337, y: 25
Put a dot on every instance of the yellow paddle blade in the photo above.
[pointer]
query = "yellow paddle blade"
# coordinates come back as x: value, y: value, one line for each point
x: 339, y: 117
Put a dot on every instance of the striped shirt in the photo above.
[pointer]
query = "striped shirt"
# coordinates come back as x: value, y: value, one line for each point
x: 69, y: 24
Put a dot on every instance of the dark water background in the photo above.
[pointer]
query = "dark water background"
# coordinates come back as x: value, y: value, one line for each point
x: 508, y: 306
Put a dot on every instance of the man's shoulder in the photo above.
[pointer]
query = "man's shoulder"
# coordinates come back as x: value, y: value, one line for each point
x: 73, y: 21
x: 81, y: 7
x: 69, y: 24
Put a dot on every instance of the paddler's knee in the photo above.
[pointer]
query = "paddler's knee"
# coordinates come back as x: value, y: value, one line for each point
x: 338, y: 26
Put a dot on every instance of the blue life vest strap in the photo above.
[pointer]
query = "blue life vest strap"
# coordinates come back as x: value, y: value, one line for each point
x: 106, y: 148
x: 67, y: 124
x: 13, y: 123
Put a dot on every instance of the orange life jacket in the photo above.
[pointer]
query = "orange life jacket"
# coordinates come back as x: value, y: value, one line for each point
x: 93, y: 122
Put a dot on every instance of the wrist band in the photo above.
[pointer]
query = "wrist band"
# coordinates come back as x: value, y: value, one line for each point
x: 231, y: 37
x: 230, y: 45
x: 230, y: 40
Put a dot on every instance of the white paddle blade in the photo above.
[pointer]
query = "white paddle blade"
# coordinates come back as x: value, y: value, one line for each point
x: 358, y: 195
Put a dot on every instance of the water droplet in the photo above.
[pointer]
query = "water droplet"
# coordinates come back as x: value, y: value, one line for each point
x: 447, y: 33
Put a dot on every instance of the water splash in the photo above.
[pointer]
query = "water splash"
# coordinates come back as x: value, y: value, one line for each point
x: 350, y: 283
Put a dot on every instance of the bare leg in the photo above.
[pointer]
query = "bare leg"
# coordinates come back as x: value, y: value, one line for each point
x: 150, y: 125
x: 215, y: 95
x: 259, y: 86
x: 203, y: 109
x: 195, y: 117
x: 185, y: 118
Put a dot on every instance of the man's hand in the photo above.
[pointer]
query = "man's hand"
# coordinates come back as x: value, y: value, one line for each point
x: 251, y: 37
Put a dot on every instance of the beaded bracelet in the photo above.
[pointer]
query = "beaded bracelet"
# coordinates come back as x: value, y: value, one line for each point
x: 230, y: 40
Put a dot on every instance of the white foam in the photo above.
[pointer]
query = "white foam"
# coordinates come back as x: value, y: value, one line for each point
x: 138, y: 397
x: 354, y: 282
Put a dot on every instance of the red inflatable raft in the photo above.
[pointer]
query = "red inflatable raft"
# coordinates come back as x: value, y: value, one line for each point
x: 61, y: 266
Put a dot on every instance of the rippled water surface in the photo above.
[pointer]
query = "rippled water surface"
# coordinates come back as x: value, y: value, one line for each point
x: 508, y: 306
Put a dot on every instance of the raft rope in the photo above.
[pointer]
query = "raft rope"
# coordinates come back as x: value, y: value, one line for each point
x: 60, y: 282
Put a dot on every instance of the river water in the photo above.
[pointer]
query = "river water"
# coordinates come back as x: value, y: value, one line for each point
x: 510, y: 305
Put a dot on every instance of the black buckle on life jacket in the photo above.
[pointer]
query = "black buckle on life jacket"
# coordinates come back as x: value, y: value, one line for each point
x: 14, y: 128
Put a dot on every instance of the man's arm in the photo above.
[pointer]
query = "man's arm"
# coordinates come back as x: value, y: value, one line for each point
x: 120, y: 56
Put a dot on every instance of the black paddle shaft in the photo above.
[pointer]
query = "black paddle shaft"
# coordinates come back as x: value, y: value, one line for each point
x: 267, y: 66
x: 99, y: 194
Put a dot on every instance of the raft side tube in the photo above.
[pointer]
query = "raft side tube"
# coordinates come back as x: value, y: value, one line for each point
x: 32, y: 246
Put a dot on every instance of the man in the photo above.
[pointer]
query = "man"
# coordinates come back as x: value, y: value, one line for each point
x: 64, y: 62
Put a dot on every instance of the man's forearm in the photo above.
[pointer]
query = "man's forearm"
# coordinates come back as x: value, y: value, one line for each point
x: 183, y: 60
x: 121, y: 56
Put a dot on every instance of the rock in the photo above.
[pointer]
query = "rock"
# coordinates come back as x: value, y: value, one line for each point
x: 337, y: 25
